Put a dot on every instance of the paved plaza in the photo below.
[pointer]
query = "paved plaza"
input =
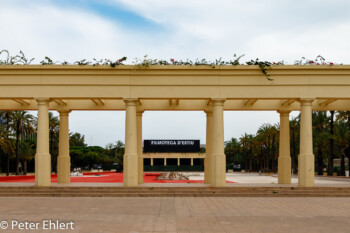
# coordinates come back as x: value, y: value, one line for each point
x: 182, y: 214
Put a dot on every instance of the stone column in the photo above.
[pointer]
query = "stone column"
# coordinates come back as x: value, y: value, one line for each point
x: 208, y: 147
x: 42, y: 156
x: 217, y: 157
x: 139, y: 147
x: 130, y: 163
x: 178, y: 161
x: 63, y: 159
x: 284, y: 160
x: 306, y: 163
x: 191, y: 161
x: 151, y: 161
x: 164, y: 161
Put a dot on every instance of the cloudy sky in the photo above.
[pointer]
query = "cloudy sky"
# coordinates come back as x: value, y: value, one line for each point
x: 272, y: 30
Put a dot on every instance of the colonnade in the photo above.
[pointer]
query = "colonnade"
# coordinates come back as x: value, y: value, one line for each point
x: 214, y: 162
x: 42, y: 156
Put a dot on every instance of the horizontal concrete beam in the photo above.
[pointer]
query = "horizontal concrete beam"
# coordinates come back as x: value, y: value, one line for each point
x: 182, y: 105
x: 175, y: 82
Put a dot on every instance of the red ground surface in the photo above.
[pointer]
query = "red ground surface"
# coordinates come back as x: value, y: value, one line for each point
x: 98, y: 177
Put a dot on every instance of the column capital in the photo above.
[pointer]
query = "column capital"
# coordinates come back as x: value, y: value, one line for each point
x: 64, y: 112
x: 130, y: 101
x: 42, y: 100
x: 139, y: 112
x: 209, y: 112
x: 283, y: 111
x: 306, y: 101
x: 217, y: 101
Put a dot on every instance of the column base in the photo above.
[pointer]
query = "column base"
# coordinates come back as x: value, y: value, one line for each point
x: 284, y: 170
x: 218, y: 170
x: 42, y: 169
x: 140, y: 169
x: 63, y: 169
x: 306, y: 170
x: 130, y: 170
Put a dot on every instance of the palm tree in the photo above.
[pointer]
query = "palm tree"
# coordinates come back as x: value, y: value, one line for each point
x: 264, y: 132
x: 5, y: 143
x: 257, y: 150
x: 244, y: 141
x: 27, y: 152
x: 345, y: 116
x: 232, y: 150
x: 21, y: 123
x: 5, y: 116
x: 294, y: 132
x: 269, y: 134
x: 53, y: 130
x: 331, y: 145
x: 120, y: 148
x: 274, y: 145
x: 320, y: 137
x: 342, y: 138
x: 249, y: 142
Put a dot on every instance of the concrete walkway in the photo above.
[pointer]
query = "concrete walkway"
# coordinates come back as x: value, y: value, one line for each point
x: 181, y: 214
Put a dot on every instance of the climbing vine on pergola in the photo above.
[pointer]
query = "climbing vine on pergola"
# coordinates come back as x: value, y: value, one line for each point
x: 21, y: 59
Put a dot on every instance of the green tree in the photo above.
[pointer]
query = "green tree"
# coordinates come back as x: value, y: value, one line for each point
x: 257, y: 151
x: 120, y: 148
x: 21, y: 123
x: 344, y: 116
x: 76, y: 158
x: 27, y: 152
x: 342, y: 139
x: 245, y: 145
x: 91, y: 158
x: 331, y: 145
x: 76, y: 139
x: 320, y: 137
x: 268, y: 135
x: 232, y: 149
x: 6, y: 118
x: 294, y: 124
x: 53, y: 131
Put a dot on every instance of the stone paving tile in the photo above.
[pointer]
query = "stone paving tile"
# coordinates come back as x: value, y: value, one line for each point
x: 183, y: 214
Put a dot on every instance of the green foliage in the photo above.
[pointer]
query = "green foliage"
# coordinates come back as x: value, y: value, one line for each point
x: 20, y: 59
x: 76, y: 139
x: 147, y: 62
x: 260, y: 151
x: 319, y: 60
x: 86, y: 156
x: 264, y: 65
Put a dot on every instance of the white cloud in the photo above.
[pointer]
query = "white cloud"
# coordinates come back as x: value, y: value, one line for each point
x: 41, y: 30
x: 269, y: 29
x: 220, y: 28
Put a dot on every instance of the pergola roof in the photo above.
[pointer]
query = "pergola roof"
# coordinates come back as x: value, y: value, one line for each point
x: 172, y: 87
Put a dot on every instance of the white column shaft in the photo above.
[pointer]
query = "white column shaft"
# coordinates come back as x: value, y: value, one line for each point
x: 306, y: 163
x: 218, y: 158
x: 130, y: 163
x: 42, y: 156
x: 139, y: 147
x: 284, y: 160
x: 63, y: 160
